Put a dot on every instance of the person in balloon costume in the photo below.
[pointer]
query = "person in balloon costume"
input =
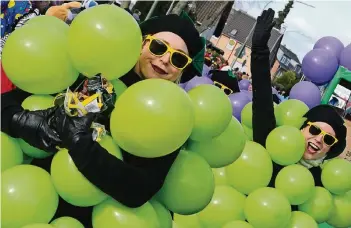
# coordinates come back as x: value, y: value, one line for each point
x: 170, y: 48
x: 324, y: 130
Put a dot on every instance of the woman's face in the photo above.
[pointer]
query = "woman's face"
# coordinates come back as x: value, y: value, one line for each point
x: 315, y: 147
x: 150, y: 66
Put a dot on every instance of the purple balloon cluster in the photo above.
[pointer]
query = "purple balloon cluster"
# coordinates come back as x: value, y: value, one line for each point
x: 320, y: 64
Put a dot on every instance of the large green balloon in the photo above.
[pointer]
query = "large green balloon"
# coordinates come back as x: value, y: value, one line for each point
x: 220, y: 176
x: 340, y: 216
x: 35, y: 57
x: 152, y: 118
x: 296, y: 182
x: 27, y: 196
x: 213, y: 112
x: 238, y: 224
x: 11, y: 153
x: 163, y: 215
x: 267, y: 208
x: 336, y: 176
x: 286, y: 145
x: 34, y: 103
x: 111, y: 213
x: 67, y: 222
x: 252, y: 170
x: 71, y: 184
x: 189, y: 185
x: 184, y: 221
x: 224, y: 149
x: 301, y: 220
x: 319, y: 205
x: 104, y: 39
x: 290, y: 112
x: 246, y: 115
x: 227, y: 204
x: 119, y: 87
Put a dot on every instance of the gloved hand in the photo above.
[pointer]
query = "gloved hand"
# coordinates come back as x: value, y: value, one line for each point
x: 72, y: 129
x: 263, y: 29
x: 34, y: 128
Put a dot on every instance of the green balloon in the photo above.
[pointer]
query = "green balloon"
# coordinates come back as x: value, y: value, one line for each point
x: 267, y: 208
x: 147, y: 122
x: 11, y: 153
x: 227, y: 204
x: 38, y: 225
x: 258, y: 168
x: 238, y: 224
x: 34, y: 103
x: 340, y: 216
x: 301, y: 220
x: 104, y: 215
x: 286, y: 145
x: 41, y: 49
x: 224, y: 149
x: 119, y: 87
x: 248, y: 132
x: 336, y: 176
x: 246, y: 115
x: 104, y: 39
x: 27, y: 196
x: 290, y: 112
x: 67, y: 222
x: 184, y: 221
x: 319, y: 205
x: 71, y: 184
x: 213, y: 112
x: 189, y: 185
x: 220, y: 177
x: 296, y: 183
x: 163, y: 215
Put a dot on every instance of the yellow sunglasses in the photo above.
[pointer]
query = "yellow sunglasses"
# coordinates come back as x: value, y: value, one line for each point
x: 158, y: 47
x: 328, y: 139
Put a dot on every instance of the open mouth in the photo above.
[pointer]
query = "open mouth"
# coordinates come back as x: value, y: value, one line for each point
x: 158, y: 70
x: 312, y: 148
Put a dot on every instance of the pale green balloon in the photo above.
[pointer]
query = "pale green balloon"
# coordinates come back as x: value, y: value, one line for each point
x: 220, y: 176
x: 290, y: 112
x: 11, y: 153
x: 38, y: 225
x: 28, y: 196
x: 301, y: 220
x: 187, y: 221
x: 336, y: 176
x: 238, y: 224
x: 164, y: 216
x: 67, y: 222
x: 104, y: 215
x: 340, y: 215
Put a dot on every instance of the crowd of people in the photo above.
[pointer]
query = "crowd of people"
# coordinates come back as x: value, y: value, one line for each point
x: 170, y: 46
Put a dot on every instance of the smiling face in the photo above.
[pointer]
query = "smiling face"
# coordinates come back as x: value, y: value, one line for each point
x: 151, y: 66
x: 315, y: 146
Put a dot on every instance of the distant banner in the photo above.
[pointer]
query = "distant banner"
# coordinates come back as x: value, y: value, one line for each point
x: 231, y: 44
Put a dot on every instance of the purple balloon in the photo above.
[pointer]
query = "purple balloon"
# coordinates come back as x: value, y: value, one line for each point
x: 330, y: 43
x: 247, y: 93
x: 274, y: 91
x: 238, y: 100
x: 345, y: 57
x: 182, y: 85
x: 319, y: 66
x: 306, y: 92
x: 196, y: 81
x: 244, y: 84
x: 205, y: 70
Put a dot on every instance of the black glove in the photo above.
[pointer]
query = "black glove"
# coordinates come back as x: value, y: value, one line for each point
x: 263, y: 29
x: 34, y: 127
x: 72, y: 129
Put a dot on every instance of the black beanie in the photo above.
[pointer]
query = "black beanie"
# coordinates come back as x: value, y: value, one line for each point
x: 327, y: 114
x: 183, y: 28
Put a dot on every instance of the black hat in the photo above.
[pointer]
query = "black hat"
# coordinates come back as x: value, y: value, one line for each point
x: 186, y: 30
x: 225, y: 78
x: 327, y: 114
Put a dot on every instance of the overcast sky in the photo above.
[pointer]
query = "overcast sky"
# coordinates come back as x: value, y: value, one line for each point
x: 305, y: 25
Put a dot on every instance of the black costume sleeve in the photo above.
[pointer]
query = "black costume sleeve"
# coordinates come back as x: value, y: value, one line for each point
x: 11, y: 104
x: 263, y: 120
x: 130, y: 184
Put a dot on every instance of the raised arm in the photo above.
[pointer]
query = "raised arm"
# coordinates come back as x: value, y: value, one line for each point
x: 263, y: 120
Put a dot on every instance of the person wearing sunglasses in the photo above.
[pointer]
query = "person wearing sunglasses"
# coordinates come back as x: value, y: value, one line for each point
x: 170, y: 49
x: 324, y: 130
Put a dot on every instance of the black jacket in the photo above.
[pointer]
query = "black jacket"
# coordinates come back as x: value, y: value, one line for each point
x: 263, y: 119
x: 132, y: 181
